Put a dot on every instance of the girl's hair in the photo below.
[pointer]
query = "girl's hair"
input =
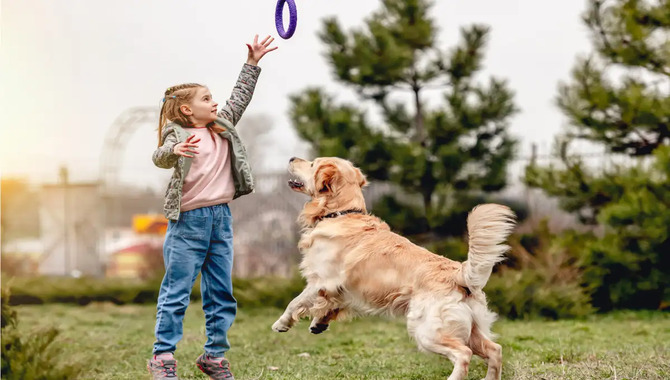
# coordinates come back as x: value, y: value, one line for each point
x: 175, y: 97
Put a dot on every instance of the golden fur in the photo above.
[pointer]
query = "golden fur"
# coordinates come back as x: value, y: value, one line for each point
x: 354, y: 264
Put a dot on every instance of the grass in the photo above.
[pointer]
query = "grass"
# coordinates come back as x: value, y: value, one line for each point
x: 114, y: 342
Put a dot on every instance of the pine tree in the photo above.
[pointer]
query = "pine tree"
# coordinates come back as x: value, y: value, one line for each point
x: 443, y: 154
x: 620, y: 98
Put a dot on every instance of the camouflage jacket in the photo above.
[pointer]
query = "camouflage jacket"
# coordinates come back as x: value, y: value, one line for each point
x: 172, y: 134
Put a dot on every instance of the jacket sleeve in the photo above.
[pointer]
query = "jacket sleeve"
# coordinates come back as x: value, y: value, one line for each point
x: 164, y: 157
x: 242, y: 93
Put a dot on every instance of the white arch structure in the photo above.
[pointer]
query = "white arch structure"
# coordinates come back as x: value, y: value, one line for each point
x: 123, y: 127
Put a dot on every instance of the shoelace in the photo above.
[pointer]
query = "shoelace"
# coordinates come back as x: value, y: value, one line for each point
x: 170, y: 370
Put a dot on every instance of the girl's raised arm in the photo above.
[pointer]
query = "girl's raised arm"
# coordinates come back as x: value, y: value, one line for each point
x: 246, y: 83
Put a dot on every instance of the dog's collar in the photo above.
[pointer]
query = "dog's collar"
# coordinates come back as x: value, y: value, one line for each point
x: 340, y: 213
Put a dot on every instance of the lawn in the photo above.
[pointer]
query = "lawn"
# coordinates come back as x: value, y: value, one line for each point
x: 114, y: 342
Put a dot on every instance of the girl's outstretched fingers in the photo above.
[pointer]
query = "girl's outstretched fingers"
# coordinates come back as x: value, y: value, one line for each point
x: 258, y: 49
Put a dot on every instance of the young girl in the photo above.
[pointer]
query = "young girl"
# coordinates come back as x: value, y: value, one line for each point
x: 210, y: 170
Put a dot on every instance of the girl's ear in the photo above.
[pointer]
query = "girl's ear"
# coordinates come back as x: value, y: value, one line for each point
x: 324, y: 178
x: 185, y: 109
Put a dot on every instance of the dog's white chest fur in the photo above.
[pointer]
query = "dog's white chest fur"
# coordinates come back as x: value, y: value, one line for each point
x: 322, y: 262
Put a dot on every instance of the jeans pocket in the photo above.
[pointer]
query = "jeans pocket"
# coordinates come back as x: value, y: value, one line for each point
x: 225, y: 230
x: 192, y: 227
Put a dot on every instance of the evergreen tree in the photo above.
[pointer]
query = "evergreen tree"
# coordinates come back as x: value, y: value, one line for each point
x: 620, y: 98
x: 443, y: 154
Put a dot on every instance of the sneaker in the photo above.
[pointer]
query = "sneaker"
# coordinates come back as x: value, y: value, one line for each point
x: 163, y: 369
x: 214, y: 369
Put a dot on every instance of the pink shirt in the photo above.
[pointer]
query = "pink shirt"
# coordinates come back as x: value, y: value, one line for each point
x: 209, y: 182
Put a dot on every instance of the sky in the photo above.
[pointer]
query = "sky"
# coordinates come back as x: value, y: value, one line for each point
x: 70, y: 68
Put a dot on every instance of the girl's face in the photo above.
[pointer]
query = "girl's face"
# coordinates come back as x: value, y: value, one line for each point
x: 203, y: 108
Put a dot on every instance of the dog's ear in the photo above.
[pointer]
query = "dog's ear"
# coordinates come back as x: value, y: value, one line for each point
x: 324, y: 177
x: 360, y: 177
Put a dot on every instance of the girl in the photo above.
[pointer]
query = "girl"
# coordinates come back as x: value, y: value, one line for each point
x: 210, y: 170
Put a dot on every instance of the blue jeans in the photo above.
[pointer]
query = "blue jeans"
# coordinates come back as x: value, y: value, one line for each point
x: 200, y: 241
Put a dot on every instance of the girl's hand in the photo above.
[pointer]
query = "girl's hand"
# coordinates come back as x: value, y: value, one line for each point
x: 186, y: 147
x: 258, y: 50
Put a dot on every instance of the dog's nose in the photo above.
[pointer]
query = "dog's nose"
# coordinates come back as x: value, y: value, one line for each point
x: 292, y: 158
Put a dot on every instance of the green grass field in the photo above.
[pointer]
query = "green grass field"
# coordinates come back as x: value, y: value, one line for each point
x: 114, y: 342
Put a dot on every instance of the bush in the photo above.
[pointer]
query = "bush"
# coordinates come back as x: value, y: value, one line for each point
x: 257, y: 292
x: 629, y: 263
x: 31, y: 356
x: 527, y: 294
x: 542, y: 278
x: 266, y: 291
x: 82, y: 291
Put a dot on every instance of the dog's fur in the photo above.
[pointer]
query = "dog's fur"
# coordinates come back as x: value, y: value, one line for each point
x: 354, y: 264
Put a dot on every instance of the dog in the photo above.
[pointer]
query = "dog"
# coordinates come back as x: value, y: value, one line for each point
x: 354, y: 264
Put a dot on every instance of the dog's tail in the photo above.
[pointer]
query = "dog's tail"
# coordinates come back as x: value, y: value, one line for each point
x: 489, y: 225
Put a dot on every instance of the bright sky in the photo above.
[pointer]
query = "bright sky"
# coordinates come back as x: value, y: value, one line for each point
x: 70, y: 68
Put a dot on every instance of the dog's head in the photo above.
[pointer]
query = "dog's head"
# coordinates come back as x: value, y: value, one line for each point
x: 324, y: 177
x: 333, y: 183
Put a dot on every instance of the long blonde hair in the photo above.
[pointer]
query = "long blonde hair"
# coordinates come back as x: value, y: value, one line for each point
x: 175, y: 97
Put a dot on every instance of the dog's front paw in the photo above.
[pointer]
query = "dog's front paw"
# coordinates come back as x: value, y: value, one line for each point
x: 318, y: 328
x: 280, y: 326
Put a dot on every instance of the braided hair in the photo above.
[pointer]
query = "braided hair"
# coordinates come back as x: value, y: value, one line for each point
x: 175, y: 97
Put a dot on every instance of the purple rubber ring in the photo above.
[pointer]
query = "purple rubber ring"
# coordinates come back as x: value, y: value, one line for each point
x: 279, y: 18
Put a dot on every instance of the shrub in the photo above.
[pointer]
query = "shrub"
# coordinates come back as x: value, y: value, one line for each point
x: 542, y: 278
x: 31, y: 356
x: 267, y: 291
x: 256, y: 292
x: 82, y: 291
x: 525, y: 294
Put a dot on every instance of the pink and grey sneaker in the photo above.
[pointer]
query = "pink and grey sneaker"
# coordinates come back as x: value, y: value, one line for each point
x: 163, y: 368
x: 215, y: 369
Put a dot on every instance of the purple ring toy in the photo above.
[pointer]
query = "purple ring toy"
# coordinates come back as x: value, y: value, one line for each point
x: 279, y: 20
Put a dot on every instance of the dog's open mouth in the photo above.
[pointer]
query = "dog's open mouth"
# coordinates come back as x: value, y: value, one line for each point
x: 295, y: 184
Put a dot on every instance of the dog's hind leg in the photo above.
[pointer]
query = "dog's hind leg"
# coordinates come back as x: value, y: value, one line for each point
x: 489, y: 351
x: 455, y: 350
x: 444, y: 330
x: 296, y: 309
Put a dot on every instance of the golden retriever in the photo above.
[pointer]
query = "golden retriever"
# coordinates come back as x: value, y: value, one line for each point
x: 354, y: 265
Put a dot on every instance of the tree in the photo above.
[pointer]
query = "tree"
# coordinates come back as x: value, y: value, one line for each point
x: 620, y: 98
x: 443, y: 154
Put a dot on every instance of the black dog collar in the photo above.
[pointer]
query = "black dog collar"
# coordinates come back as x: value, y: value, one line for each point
x: 340, y: 213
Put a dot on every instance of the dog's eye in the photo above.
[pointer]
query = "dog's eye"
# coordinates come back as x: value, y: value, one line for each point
x: 312, y: 165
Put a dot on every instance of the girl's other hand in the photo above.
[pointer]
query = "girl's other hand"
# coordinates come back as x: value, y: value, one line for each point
x: 186, y: 147
x: 258, y: 50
